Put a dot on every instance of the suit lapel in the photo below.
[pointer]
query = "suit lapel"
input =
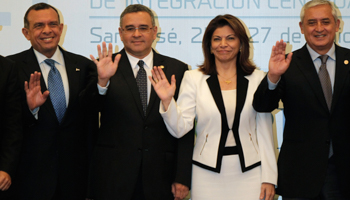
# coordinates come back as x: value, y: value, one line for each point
x: 73, y: 79
x: 307, y: 67
x: 341, y: 74
x: 157, y: 61
x: 125, y: 69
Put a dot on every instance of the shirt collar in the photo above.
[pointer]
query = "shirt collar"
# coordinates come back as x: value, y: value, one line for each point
x: 148, y: 60
x: 57, y: 56
x: 314, y: 55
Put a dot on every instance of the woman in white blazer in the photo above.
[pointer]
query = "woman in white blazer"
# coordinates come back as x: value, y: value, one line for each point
x: 234, y: 155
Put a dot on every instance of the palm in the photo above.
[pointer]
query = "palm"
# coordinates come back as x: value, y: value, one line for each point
x: 164, y: 90
x: 278, y: 63
x: 35, y: 97
x: 106, y: 67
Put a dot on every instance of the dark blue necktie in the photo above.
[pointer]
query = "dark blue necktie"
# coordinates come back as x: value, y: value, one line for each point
x: 55, y: 86
x: 141, y: 79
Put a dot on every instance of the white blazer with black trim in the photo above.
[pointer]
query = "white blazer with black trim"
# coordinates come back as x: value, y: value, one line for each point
x: 200, y: 98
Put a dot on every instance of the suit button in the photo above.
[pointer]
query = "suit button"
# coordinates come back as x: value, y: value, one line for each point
x: 146, y: 127
x: 146, y: 150
x: 139, y: 149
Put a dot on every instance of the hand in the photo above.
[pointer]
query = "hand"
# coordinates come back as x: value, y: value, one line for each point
x: 267, y: 191
x: 164, y: 90
x: 180, y: 191
x: 5, y: 181
x: 33, y: 91
x: 106, y: 68
x: 278, y: 63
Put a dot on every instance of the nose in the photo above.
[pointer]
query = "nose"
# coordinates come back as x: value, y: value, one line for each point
x: 223, y: 42
x: 319, y: 27
x: 137, y: 33
x: 46, y: 29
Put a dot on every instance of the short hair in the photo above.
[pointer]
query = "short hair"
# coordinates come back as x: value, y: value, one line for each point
x: 314, y: 3
x: 38, y: 6
x: 208, y: 66
x: 137, y: 8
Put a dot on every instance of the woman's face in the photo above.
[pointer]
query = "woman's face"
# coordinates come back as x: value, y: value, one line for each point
x: 225, y: 45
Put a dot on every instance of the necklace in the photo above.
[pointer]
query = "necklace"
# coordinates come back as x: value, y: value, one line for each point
x: 228, y: 80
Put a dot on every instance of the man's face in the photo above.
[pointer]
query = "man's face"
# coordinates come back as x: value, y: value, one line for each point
x: 319, y: 28
x: 44, y: 31
x: 138, y: 44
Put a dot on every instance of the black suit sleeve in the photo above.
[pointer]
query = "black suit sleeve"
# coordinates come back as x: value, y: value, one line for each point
x: 266, y: 100
x: 11, y: 126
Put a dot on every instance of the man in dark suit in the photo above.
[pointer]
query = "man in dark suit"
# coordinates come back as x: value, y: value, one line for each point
x: 10, y: 124
x: 54, y: 160
x: 314, y: 160
x: 135, y: 156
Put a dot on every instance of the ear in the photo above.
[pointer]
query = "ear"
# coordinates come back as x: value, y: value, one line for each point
x: 337, y: 25
x: 301, y: 27
x: 25, y: 32
x: 120, y: 34
x: 155, y: 30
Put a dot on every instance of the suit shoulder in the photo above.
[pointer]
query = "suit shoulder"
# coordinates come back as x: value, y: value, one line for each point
x: 173, y: 61
x: 76, y: 56
x: 18, y: 56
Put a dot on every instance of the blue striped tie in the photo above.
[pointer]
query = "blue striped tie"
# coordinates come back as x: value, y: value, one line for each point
x: 55, y: 86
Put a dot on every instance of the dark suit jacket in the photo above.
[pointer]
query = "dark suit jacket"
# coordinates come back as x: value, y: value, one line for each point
x: 309, y: 125
x: 10, y: 117
x: 129, y: 143
x: 55, y: 155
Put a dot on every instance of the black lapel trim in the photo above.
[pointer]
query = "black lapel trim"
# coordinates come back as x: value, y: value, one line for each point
x: 242, y: 87
x: 215, y: 90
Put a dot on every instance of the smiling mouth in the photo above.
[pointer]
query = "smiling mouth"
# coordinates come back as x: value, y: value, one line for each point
x: 48, y: 39
x: 320, y: 36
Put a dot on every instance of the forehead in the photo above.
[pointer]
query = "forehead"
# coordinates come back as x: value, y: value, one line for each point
x: 223, y: 31
x: 137, y: 19
x: 42, y: 15
x: 318, y: 12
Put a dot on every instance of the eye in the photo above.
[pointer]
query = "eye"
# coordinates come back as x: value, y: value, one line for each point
x: 217, y: 39
x: 53, y: 24
x: 230, y: 38
x: 38, y: 25
x: 130, y: 28
x: 143, y: 28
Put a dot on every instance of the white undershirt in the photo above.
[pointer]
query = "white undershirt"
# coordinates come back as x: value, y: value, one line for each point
x: 229, y: 97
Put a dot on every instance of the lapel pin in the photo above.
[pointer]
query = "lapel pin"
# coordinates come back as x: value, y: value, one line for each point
x: 346, y: 62
x: 161, y: 66
x: 77, y: 69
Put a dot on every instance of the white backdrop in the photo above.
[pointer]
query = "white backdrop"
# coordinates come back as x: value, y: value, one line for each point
x: 181, y: 26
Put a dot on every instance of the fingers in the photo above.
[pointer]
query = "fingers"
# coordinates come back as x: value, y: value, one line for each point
x: 110, y: 49
x: 104, y: 50
x: 173, y: 80
x: 116, y: 59
x: 5, y: 181
x: 267, y: 191
x: 99, y: 52
x: 180, y: 191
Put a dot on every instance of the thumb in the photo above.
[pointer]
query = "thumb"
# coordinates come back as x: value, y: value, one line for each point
x: 173, y: 80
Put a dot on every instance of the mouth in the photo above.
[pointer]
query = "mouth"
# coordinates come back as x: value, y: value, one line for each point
x: 320, y: 36
x: 48, y: 39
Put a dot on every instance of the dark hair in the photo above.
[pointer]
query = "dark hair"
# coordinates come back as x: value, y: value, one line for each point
x: 137, y: 8
x: 38, y: 6
x: 208, y: 66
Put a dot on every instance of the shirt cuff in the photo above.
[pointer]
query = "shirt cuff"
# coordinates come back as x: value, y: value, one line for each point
x: 35, y: 112
x: 271, y: 85
x: 102, y: 90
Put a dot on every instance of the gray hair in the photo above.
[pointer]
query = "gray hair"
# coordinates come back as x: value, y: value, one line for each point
x: 314, y: 3
x: 136, y: 8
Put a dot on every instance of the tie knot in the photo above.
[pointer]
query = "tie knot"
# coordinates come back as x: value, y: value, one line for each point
x: 323, y: 59
x: 50, y: 63
x: 140, y: 63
